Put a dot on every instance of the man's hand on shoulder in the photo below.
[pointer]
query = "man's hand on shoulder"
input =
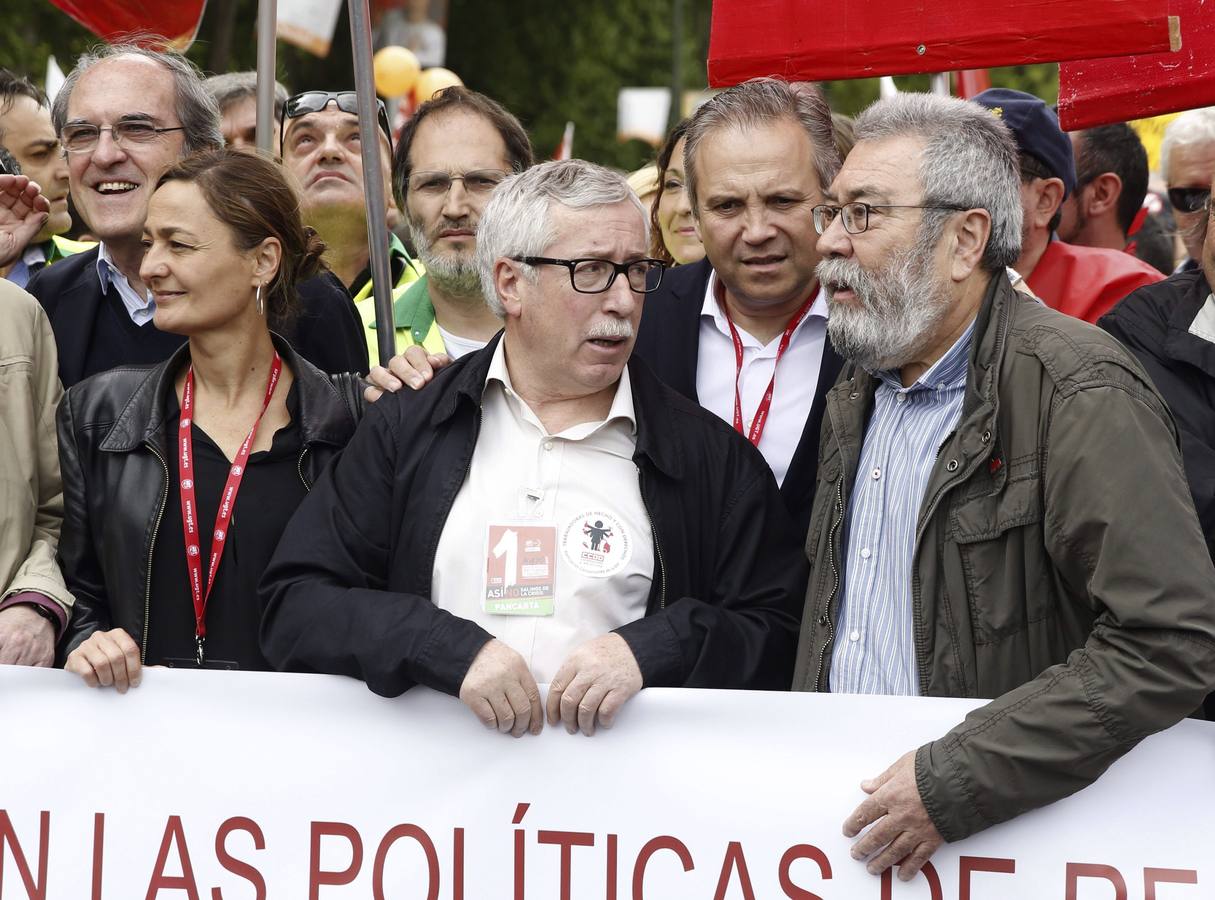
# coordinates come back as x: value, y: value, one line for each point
x: 902, y: 832
x: 593, y: 684
x: 27, y: 638
x: 415, y: 367
x: 500, y: 690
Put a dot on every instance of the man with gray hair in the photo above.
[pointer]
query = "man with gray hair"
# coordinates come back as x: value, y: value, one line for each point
x: 1187, y: 162
x: 124, y: 114
x: 235, y: 94
x: 547, y: 510
x: 970, y: 534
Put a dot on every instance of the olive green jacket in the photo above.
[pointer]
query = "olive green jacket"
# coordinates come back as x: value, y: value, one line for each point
x: 1059, y: 566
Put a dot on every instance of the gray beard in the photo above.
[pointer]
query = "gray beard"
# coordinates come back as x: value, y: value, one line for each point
x: 454, y: 276
x: 896, y: 310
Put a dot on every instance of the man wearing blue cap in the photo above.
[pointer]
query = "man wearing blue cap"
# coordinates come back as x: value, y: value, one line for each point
x: 1081, y: 281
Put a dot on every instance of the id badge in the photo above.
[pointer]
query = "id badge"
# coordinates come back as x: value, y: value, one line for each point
x: 521, y: 570
x: 222, y: 664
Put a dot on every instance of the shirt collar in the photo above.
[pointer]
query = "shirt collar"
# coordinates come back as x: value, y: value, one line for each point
x: 621, y: 409
x: 947, y: 372
x: 711, y: 308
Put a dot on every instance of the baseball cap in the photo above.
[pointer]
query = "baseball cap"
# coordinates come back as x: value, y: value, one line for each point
x: 1036, y: 129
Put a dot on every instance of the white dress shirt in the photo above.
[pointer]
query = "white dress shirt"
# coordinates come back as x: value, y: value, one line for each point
x: 140, y: 309
x: 580, y: 479
x: 796, y: 378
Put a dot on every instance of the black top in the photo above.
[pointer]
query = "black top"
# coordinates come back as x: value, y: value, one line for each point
x: 94, y: 333
x: 269, y: 494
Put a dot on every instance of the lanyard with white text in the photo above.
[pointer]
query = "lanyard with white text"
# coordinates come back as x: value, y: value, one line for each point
x: 227, y: 505
x: 756, y: 432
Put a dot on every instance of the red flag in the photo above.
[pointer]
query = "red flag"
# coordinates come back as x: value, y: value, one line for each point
x: 972, y: 81
x: 811, y: 40
x: 175, y: 21
x: 1099, y: 91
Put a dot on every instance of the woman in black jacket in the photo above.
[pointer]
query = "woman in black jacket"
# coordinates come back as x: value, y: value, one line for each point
x: 179, y: 478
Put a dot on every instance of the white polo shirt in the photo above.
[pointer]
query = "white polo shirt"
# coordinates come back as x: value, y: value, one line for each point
x: 538, y: 510
x: 796, y: 378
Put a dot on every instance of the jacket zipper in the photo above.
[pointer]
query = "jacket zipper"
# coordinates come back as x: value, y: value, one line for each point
x: 835, y: 572
x: 662, y: 568
x: 147, y: 597
x: 299, y: 467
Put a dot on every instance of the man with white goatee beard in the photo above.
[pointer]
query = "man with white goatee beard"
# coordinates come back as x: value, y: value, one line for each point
x: 547, y: 510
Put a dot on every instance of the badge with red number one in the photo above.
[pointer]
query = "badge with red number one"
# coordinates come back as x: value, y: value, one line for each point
x: 521, y: 570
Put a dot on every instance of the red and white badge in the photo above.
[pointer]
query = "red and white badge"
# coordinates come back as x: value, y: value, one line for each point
x: 521, y: 570
x: 596, y: 543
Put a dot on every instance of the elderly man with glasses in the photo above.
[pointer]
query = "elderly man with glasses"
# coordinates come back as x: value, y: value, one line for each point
x: 547, y: 511
x: 1000, y: 510
x: 124, y: 115
x: 321, y: 147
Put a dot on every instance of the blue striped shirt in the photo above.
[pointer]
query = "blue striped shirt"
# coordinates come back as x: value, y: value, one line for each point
x: 874, y: 646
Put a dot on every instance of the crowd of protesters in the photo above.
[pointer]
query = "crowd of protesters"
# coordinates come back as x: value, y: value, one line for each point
x: 813, y: 404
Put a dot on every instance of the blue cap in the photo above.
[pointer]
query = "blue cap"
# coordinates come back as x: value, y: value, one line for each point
x: 1036, y: 129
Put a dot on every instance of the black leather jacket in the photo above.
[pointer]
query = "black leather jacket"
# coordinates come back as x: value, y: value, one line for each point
x: 115, y: 458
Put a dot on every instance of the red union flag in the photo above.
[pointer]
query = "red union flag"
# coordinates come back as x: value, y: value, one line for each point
x: 1099, y: 91
x: 814, y: 40
x: 113, y: 20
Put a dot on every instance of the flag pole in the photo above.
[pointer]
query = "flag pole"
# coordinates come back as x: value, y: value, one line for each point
x: 267, y: 28
x: 373, y: 178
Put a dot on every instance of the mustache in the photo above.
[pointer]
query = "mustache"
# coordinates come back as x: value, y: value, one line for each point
x: 840, y: 272
x: 611, y: 328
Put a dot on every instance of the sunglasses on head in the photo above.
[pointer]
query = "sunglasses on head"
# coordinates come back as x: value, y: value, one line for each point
x: 1189, y: 199
x: 315, y: 101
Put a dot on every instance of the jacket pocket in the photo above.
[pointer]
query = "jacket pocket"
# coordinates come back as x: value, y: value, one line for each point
x: 999, y: 546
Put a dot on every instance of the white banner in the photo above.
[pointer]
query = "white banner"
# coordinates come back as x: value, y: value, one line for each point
x: 233, y: 786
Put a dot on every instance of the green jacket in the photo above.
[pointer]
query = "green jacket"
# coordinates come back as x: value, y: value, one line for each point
x: 1059, y: 566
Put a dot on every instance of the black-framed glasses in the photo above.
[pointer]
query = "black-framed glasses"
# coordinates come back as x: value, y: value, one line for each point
x: 314, y: 101
x: 855, y: 215
x: 1189, y: 199
x: 591, y: 275
x: 436, y: 184
x: 82, y: 137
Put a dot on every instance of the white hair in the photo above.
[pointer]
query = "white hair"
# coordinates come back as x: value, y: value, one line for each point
x: 970, y: 160
x: 516, y: 220
x: 1192, y: 127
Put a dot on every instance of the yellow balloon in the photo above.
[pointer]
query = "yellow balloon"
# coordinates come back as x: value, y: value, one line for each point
x: 396, y: 71
x: 431, y: 81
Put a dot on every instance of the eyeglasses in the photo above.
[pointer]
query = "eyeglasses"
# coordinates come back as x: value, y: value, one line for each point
x: 437, y: 184
x: 315, y: 101
x: 83, y: 137
x: 856, y: 214
x: 589, y: 275
x: 1189, y: 199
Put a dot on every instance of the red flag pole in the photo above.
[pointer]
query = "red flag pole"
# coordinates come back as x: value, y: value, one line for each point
x: 267, y: 29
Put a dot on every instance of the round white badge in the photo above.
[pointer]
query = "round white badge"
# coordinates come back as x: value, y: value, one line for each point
x: 596, y: 544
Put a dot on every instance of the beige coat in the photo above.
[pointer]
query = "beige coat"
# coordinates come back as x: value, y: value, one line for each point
x: 31, y: 494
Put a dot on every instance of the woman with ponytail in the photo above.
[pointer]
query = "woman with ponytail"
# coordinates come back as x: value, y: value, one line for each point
x: 179, y: 478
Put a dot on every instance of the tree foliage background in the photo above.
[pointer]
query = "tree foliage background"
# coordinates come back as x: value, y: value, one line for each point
x: 548, y: 61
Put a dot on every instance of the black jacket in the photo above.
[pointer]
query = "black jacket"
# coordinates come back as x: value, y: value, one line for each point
x: 669, y: 340
x: 348, y: 590
x: 327, y: 332
x: 1154, y: 324
x: 115, y: 455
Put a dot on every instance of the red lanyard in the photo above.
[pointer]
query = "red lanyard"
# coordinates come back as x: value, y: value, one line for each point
x: 765, y: 405
x: 189, y: 506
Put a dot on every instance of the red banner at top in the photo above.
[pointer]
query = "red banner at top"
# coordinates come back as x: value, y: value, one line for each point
x: 152, y: 21
x: 815, y: 40
x: 1100, y: 91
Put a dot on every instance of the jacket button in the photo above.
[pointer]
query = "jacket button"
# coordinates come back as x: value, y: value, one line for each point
x: 853, y: 395
x: 952, y: 465
x: 986, y: 436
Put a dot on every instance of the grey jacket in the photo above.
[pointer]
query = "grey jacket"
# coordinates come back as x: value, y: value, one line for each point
x: 1059, y: 566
